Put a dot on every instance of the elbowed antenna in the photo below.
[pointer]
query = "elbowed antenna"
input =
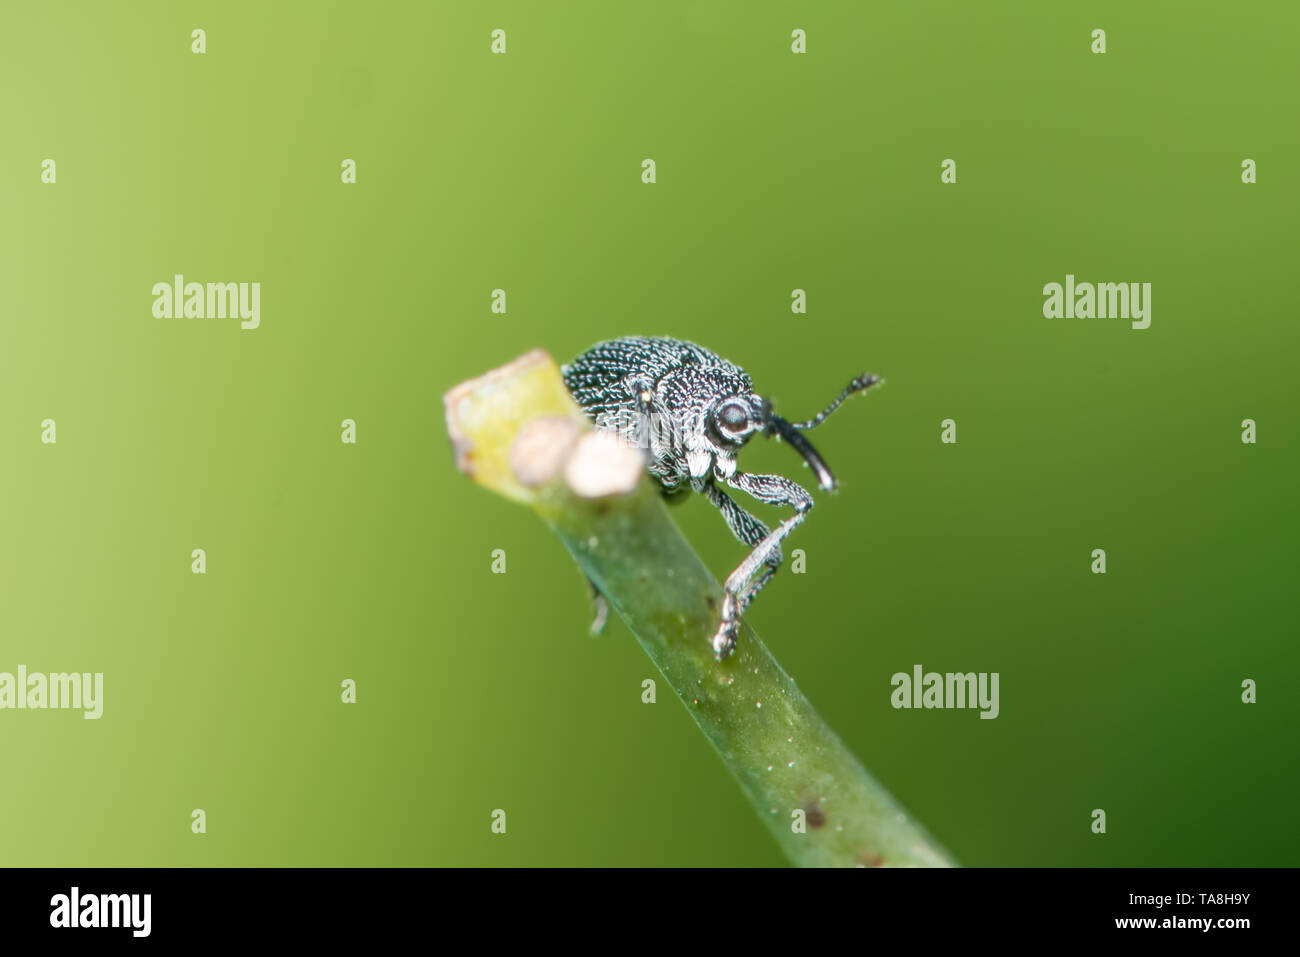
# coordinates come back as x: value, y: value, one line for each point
x: 789, y: 431
x: 865, y: 381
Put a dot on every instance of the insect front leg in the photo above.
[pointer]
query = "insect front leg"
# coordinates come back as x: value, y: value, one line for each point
x: 749, y: 530
x: 742, y: 585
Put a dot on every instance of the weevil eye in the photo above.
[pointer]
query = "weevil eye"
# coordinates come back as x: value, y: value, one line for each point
x: 733, y: 418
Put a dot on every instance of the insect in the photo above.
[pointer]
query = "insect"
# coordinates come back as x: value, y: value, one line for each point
x: 693, y: 411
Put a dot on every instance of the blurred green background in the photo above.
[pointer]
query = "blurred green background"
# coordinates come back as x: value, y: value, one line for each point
x: 775, y: 171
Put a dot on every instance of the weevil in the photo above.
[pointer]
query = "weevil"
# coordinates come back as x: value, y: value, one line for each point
x: 692, y: 411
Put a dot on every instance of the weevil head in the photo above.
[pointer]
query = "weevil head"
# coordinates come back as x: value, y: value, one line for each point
x: 717, y: 428
x: 711, y: 413
x: 733, y: 420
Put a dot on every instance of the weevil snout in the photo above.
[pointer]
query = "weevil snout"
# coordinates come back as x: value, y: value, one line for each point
x: 786, y: 432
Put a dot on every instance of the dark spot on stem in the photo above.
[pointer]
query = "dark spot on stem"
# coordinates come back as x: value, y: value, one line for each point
x: 711, y: 602
x: 816, y: 816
